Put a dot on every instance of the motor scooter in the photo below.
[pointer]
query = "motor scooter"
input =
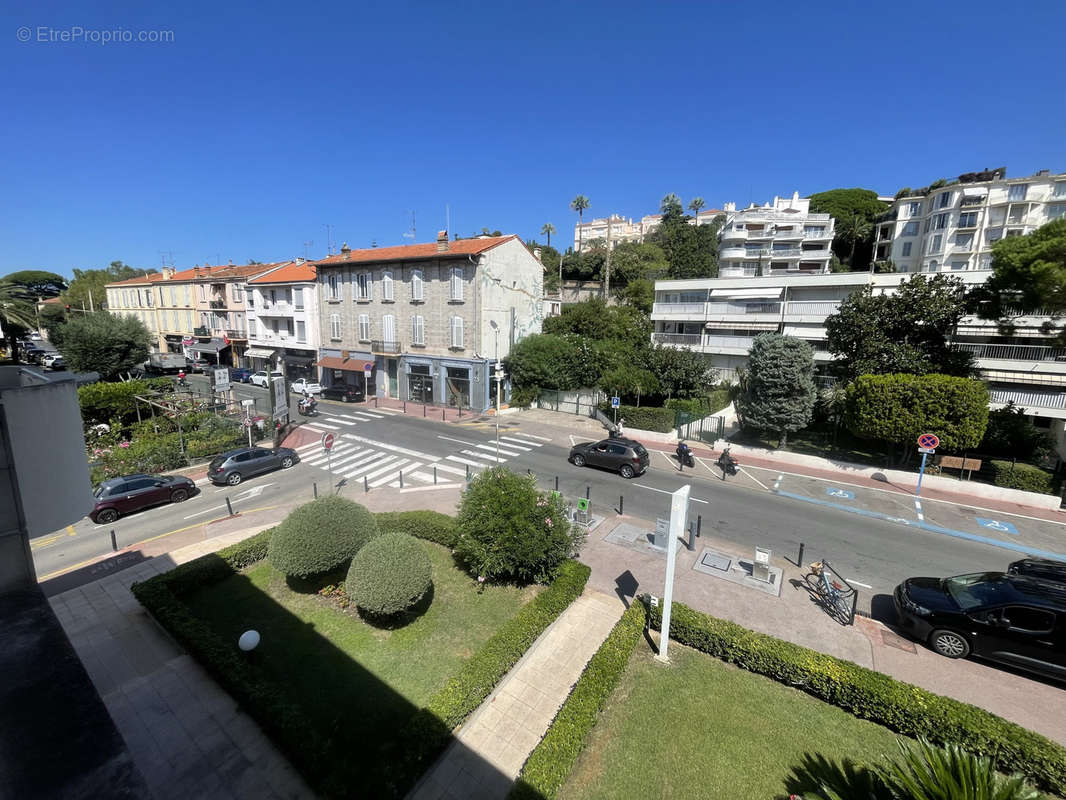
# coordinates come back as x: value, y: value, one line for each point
x: 727, y: 463
x: 308, y: 408
x: 684, y: 455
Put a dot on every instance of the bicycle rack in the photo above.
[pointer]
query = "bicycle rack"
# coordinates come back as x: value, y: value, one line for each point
x: 849, y: 593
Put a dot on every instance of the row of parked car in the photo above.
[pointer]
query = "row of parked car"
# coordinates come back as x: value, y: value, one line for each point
x: 37, y: 351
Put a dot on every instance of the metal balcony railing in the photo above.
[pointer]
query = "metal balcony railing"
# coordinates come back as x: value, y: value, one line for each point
x: 235, y: 334
x: 678, y: 308
x: 1028, y: 399
x: 217, y: 304
x: 813, y: 307
x: 386, y: 347
x: 1015, y: 352
x: 741, y: 342
x: 201, y: 331
x: 743, y: 308
x: 689, y: 339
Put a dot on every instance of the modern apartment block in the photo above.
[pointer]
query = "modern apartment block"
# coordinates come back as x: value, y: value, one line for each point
x: 953, y: 228
x: 281, y: 306
x: 617, y: 229
x: 779, y: 239
x: 721, y: 317
x: 427, y: 320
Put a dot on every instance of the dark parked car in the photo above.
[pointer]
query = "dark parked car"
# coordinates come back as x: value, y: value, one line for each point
x: 58, y: 364
x: 117, y: 497
x: 344, y: 392
x: 240, y: 374
x: 1012, y: 619
x: 1044, y: 569
x: 234, y: 466
x: 625, y: 456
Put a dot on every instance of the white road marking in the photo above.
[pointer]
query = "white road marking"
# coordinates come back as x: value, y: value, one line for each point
x: 663, y: 491
x: 520, y: 446
x: 859, y: 583
x: 341, y: 421
x: 431, y: 488
x: 763, y: 485
x: 501, y: 449
x: 391, y: 447
x: 372, y: 464
x: 394, y: 476
x: 477, y: 464
x: 581, y: 438
x: 205, y: 511
x: 390, y: 468
x: 369, y: 414
x: 460, y: 441
x: 704, y: 464
x: 452, y: 470
x: 379, y: 410
x: 669, y: 460
x: 422, y: 476
x: 202, y: 481
x: 533, y: 436
x: 350, y: 456
x: 308, y: 447
x: 482, y: 455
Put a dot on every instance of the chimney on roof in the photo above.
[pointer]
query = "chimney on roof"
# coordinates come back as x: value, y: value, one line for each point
x: 442, y: 241
x: 346, y: 251
x: 168, y: 273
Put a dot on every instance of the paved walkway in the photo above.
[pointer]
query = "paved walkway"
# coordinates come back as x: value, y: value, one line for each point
x: 186, y: 735
x: 491, y: 747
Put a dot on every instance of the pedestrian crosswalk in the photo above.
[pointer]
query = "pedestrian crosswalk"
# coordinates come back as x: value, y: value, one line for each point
x: 378, y: 463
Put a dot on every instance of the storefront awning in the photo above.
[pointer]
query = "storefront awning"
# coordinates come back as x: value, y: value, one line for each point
x: 755, y: 294
x: 805, y: 332
x: 259, y: 352
x: 214, y: 346
x: 346, y: 364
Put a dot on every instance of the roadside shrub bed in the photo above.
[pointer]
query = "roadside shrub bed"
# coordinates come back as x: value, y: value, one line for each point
x: 550, y: 763
x: 645, y: 418
x: 1021, y: 476
x: 321, y: 535
x: 432, y: 526
x: 429, y: 730
x: 871, y: 695
x: 389, y: 575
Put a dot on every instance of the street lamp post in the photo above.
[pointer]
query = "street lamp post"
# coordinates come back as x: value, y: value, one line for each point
x: 498, y: 374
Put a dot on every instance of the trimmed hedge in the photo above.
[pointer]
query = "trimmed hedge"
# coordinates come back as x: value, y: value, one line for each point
x: 871, y: 695
x: 389, y: 575
x: 432, y: 526
x: 550, y: 763
x: 1021, y: 476
x: 321, y: 535
x: 644, y: 418
x: 428, y: 732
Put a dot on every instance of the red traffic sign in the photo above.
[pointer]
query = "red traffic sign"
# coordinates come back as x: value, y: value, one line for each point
x: 327, y: 441
x: 930, y: 440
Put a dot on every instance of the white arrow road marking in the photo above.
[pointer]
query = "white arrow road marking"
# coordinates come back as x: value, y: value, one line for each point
x: 252, y: 491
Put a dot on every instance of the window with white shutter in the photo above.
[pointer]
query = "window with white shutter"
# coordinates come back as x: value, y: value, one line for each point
x: 334, y: 286
x: 364, y: 327
x: 457, y: 333
x: 365, y: 291
x: 386, y: 287
x: 457, y: 283
x: 418, y: 330
x: 298, y: 299
x: 388, y: 328
x: 416, y: 286
x: 335, y: 326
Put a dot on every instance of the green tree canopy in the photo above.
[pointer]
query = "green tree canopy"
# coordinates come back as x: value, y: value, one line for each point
x: 681, y: 373
x: 639, y: 294
x: 102, y: 342
x: 16, y: 312
x: 594, y: 320
x: 1028, y: 275
x: 853, y: 241
x: 899, y: 408
x: 691, y: 251
x: 92, y: 282
x: 635, y: 261
x: 541, y: 361
x: 779, y: 391
x: 908, y: 331
x: 38, y: 283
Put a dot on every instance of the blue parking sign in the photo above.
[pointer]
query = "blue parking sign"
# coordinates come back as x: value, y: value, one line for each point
x: 615, y: 402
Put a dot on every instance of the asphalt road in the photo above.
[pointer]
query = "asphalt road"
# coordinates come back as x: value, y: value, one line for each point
x: 373, y: 446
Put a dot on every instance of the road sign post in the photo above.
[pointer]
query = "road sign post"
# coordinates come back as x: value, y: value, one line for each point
x: 327, y: 445
x: 367, y: 367
x: 927, y: 444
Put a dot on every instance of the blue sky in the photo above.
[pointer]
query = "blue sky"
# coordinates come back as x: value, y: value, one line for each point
x: 261, y: 122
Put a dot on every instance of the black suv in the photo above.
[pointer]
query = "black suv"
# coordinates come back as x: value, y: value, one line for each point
x: 625, y: 456
x: 1014, y: 619
x: 1044, y: 569
x: 234, y: 466
x: 342, y: 391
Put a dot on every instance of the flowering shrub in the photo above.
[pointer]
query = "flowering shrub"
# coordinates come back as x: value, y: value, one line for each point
x: 509, y: 529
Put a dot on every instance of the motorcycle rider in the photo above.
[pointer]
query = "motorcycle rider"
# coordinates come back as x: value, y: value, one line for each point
x: 684, y: 455
x: 727, y: 463
x: 307, y: 404
x: 181, y: 378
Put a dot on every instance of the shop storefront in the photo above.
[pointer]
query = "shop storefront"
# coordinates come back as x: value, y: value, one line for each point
x: 214, y: 351
x: 175, y: 344
x: 260, y: 359
x: 299, y: 364
x: 348, y: 368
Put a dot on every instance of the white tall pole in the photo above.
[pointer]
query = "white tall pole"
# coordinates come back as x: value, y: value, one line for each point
x: 498, y: 374
x: 678, y: 516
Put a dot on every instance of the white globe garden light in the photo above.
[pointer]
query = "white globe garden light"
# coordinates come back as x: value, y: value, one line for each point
x: 249, y: 640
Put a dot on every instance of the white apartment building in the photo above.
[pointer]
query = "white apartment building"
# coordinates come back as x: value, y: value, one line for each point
x: 721, y: 317
x: 616, y: 229
x: 283, y: 324
x: 953, y: 228
x: 784, y: 238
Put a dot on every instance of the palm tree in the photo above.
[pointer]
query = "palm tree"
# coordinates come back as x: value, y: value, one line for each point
x: 670, y: 201
x: 695, y: 206
x: 16, y: 311
x: 853, y: 228
x: 579, y: 204
x: 548, y: 229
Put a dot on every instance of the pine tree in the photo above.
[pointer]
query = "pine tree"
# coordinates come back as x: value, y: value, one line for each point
x: 779, y: 393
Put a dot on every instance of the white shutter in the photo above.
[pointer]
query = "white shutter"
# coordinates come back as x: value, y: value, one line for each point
x: 416, y: 285
x: 386, y: 286
x: 457, y: 283
x: 335, y: 326
x: 388, y: 328
x: 364, y: 327
x: 457, y: 332
x: 418, y: 329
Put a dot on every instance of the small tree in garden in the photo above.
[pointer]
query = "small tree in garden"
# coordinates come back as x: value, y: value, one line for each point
x: 390, y: 575
x: 509, y: 529
x: 320, y: 536
x: 779, y: 391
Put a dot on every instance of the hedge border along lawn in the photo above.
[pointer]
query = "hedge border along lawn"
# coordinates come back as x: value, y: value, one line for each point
x: 550, y: 763
x: 899, y: 706
x: 428, y: 731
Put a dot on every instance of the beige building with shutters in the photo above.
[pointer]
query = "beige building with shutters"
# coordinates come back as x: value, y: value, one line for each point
x: 427, y: 320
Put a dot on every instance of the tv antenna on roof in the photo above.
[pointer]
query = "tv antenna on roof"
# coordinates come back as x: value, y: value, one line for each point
x: 411, y: 233
x: 329, y: 238
x: 306, y: 246
x: 167, y: 257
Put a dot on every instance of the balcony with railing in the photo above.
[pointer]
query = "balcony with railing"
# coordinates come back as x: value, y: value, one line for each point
x: 679, y: 309
x: 1015, y: 352
x: 743, y: 308
x: 276, y: 310
x: 1027, y: 399
x: 201, y: 332
x: 733, y: 234
x: 217, y: 304
x: 231, y: 333
x: 727, y: 342
x: 812, y: 308
x: 385, y: 347
x: 686, y: 339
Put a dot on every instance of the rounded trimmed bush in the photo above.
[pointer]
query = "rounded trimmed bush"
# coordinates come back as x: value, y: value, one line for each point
x: 320, y: 536
x: 390, y: 575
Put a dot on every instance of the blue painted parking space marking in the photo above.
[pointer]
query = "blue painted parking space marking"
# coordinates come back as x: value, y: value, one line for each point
x: 840, y: 494
x: 996, y: 525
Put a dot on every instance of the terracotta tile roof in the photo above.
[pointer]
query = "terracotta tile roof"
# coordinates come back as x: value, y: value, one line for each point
x: 151, y: 277
x: 416, y: 252
x: 52, y: 300
x: 289, y: 273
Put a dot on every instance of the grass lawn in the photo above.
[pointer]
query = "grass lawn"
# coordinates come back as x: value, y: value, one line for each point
x: 355, y: 682
x: 702, y: 728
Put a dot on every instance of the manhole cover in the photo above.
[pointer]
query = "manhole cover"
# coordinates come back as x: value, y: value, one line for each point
x: 716, y: 561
